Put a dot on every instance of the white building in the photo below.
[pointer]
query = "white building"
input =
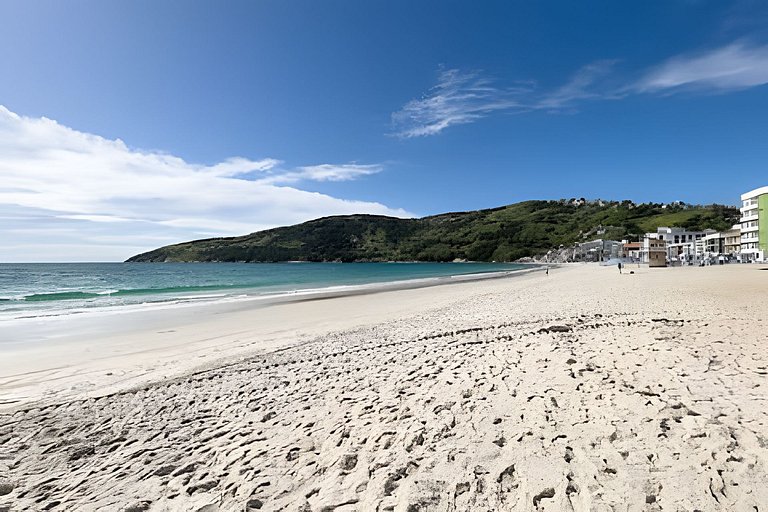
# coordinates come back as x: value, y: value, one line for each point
x: 682, y: 246
x: 680, y: 235
x: 723, y: 246
x: 597, y: 250
x: 653, y: 251
x: 754, y: 225
x: 733, y: 241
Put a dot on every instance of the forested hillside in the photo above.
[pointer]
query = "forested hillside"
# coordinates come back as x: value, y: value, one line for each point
x: 499, y: 234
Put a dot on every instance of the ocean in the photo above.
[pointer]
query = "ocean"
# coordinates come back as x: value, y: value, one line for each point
x: 52, y: 289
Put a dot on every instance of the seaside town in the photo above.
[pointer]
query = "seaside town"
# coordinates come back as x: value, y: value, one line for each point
x: 745, y: 242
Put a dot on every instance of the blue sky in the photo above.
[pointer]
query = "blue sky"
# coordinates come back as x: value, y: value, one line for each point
x: 129, y: 125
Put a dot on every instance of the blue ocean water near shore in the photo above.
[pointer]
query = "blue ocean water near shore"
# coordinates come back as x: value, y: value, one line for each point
x: 43, y: 289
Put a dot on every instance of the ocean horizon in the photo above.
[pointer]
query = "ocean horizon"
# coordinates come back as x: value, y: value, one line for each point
x: 31, y: 290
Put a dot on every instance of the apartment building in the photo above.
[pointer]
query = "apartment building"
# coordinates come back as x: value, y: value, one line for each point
x: 632, y: 250
x: 732, y: 245
x: 754, y: 225
x: 723, y: 246
x: 681, y: 244
x: 654, y: 251
x: 597, y: 250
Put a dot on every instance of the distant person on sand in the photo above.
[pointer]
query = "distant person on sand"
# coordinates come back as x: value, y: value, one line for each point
x: 546, y: 270
x: 619, y: 267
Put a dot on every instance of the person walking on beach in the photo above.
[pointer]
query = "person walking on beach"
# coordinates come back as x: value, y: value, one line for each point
x: 546, y: 270
x: 619, y: 267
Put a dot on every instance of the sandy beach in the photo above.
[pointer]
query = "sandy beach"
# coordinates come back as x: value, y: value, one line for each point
x: 583, y: 390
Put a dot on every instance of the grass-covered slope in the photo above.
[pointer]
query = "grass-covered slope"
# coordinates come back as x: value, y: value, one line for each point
x: 499, y: 234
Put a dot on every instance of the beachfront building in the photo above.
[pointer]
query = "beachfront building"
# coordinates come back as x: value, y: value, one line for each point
x: 632, y: 250
x: 681, y: 244
x: 713, y: 245
x: 645, y: 250
x: 754, y: 225
x: 680, y: 235
x: 700, y: 246
x: 732, y: 245
x: 653, y: 250
x: 656, y: 252
x: 597, y: 250
x: 720, y: 247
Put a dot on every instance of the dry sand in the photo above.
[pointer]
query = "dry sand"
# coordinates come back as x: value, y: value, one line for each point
x: 583, y: 390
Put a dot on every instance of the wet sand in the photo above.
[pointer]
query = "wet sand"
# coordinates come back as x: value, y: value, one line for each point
x: 583, y: 390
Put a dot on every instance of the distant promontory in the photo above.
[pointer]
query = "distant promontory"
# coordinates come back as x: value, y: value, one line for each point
x: 508, y: 233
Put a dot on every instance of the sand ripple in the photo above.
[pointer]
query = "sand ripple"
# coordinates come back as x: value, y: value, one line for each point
x: 575, y: 413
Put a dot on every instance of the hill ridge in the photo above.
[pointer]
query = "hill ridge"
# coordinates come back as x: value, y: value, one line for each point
x: 504, y: 233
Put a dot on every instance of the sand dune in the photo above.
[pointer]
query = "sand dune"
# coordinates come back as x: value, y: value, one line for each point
x: 585, y: 390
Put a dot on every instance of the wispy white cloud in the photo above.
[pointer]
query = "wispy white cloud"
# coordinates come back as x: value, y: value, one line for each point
x: 458, y: 98
x: 237, y: 166
x: 95, y: 218
x: 585, y: 84
x: 322, y: 172
x: 733, y: 67
x: 346, y: 172
x: 465, y: 97
x: 55, y: 178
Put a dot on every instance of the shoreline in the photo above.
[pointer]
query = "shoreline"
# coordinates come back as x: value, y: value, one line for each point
x: 107, y: 350
x: 247, y: 294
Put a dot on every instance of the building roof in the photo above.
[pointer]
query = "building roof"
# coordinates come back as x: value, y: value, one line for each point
x: 753, y: 193
x: 675, y: 230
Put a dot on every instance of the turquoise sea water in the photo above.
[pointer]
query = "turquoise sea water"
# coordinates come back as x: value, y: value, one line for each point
x: 41, y: 289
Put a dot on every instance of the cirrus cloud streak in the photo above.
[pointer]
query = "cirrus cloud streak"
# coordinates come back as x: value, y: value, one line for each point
x: 733, y: 67
x: 462, y: 97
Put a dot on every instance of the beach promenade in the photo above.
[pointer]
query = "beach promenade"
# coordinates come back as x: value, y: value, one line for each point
x: 583, y: 390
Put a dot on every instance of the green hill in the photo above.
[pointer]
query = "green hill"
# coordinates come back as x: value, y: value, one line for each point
x: 499, y: 234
